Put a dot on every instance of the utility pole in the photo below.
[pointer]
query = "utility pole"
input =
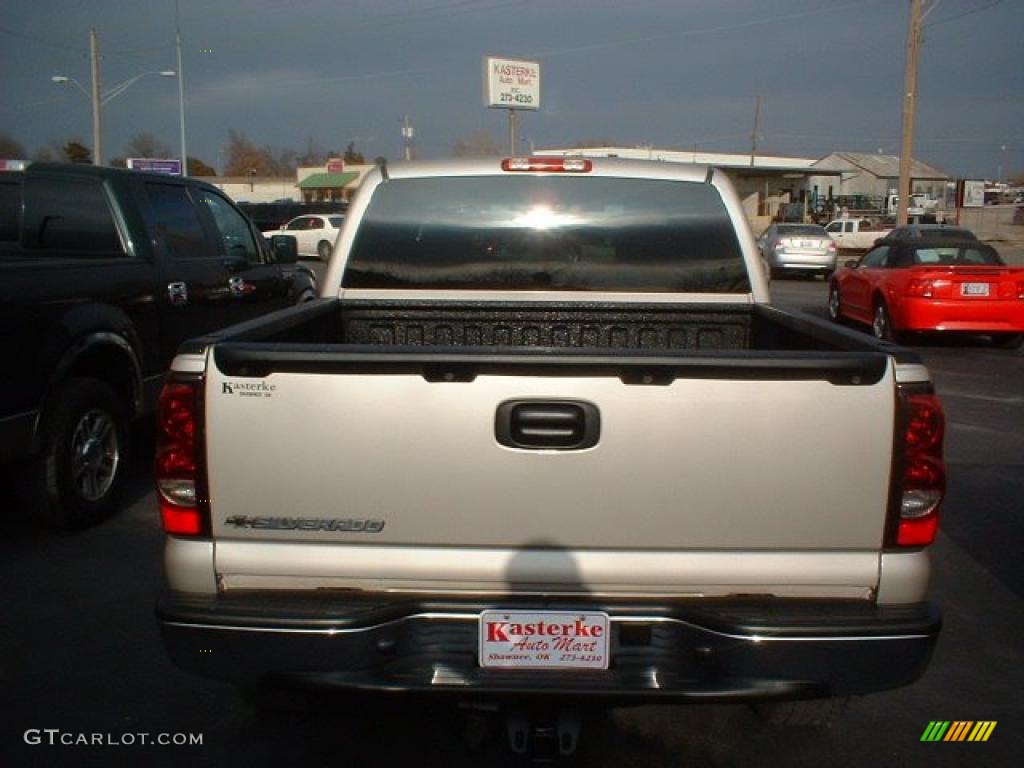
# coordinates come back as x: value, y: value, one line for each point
x: 909, y: 107
x: 97, y: 121
x: 512, y: 118
x: 408, y: 132
x: 757, y: 130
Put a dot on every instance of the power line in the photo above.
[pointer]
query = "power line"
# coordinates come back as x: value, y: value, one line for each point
x: 576, y: 49
x: 971, y: 12
x: 706, y: 30
x: 142, y: 49
x: 414, y: 15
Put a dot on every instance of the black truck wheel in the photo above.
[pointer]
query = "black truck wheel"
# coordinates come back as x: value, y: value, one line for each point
x: 77, y: 480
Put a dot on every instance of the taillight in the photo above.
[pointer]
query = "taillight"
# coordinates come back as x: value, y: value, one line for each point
x: 921, y: 289
x: 548, y: 164
x: 922, y: 484
x: 178, y: 467
x: 1020, y: 289
x: 929, y: 289
x: 831, y: 245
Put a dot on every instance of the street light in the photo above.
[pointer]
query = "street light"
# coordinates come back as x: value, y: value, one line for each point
x: 63, y: 79
x: 114, y: 92
x: 98, y: 100
x: 117, y: 90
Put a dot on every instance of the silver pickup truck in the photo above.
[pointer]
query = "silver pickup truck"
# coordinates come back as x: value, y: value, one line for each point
x: 543, y: 433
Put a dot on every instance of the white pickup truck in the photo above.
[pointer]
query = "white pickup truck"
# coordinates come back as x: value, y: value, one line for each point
x: 544, y: 434
x: 855, y: 234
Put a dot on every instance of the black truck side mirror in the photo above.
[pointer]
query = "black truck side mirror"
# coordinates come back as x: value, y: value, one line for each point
x: 285, y: 249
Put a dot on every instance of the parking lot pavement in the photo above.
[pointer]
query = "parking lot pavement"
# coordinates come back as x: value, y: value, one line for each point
x: 1012, y: 251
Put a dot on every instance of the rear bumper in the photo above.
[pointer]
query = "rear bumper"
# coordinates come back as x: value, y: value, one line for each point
x: 810, y: 262
x: 997, y: 316
x: 714, y: 651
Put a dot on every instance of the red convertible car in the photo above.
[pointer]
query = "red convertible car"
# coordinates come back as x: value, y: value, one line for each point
x: 931, y: 285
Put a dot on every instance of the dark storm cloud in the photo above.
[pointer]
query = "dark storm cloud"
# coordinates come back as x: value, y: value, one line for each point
x: 673, y: 73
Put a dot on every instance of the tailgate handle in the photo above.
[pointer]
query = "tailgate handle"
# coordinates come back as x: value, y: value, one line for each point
x: 559, y: 425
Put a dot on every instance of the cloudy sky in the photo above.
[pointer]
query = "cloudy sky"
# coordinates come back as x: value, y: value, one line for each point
x: 670, y: 73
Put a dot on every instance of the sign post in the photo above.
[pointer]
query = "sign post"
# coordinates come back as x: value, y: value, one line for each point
x: 511, y: 84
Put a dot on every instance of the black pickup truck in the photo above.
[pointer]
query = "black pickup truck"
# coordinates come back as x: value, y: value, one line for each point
x: 103, y: 273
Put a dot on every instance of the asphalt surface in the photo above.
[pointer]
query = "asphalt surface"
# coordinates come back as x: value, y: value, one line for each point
x: 80, y: 652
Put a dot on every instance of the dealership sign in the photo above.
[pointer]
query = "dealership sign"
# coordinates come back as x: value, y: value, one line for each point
x: 511, y: 83
x: 155, y: 165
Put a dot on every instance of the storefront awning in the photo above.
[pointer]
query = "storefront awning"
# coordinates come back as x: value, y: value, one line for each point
x: 328, y: 180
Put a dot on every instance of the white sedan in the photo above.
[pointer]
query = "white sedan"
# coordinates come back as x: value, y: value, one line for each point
x: 315, y: 234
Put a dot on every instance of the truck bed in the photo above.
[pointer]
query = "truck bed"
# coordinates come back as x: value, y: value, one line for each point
x: 328, y: 327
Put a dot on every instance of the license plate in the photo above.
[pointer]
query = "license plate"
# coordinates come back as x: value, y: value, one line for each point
x: 544, y: 639
x: 974, y: 289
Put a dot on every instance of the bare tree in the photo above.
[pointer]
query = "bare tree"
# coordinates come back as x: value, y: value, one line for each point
x: 351, y: 156
x: 147, y: 145
x: 244, y: 157
x: 312, y: 155
x: 10, y: 148
x: 480, y: 144
x: 282, y: 161
x: 76, y: 152
x: 197, y: 167
x: 48, y: 153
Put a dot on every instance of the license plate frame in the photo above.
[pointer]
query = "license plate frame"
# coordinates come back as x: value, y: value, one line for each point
x: 974, y: 289
x: 525, y: 639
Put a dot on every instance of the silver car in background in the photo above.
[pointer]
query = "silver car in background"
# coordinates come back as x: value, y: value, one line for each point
x: 801, y: 248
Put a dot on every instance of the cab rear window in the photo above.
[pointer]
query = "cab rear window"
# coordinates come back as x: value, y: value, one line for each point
x: 540, y: 233
x: 953, y: 256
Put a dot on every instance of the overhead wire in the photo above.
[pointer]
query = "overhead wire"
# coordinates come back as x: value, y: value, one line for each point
x: 971, y: 12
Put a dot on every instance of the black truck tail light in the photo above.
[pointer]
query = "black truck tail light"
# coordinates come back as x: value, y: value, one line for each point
x: 922, y: 473
x: 179, y: 467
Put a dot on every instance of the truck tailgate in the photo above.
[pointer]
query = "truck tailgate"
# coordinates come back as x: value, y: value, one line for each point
x: 706, y: 481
